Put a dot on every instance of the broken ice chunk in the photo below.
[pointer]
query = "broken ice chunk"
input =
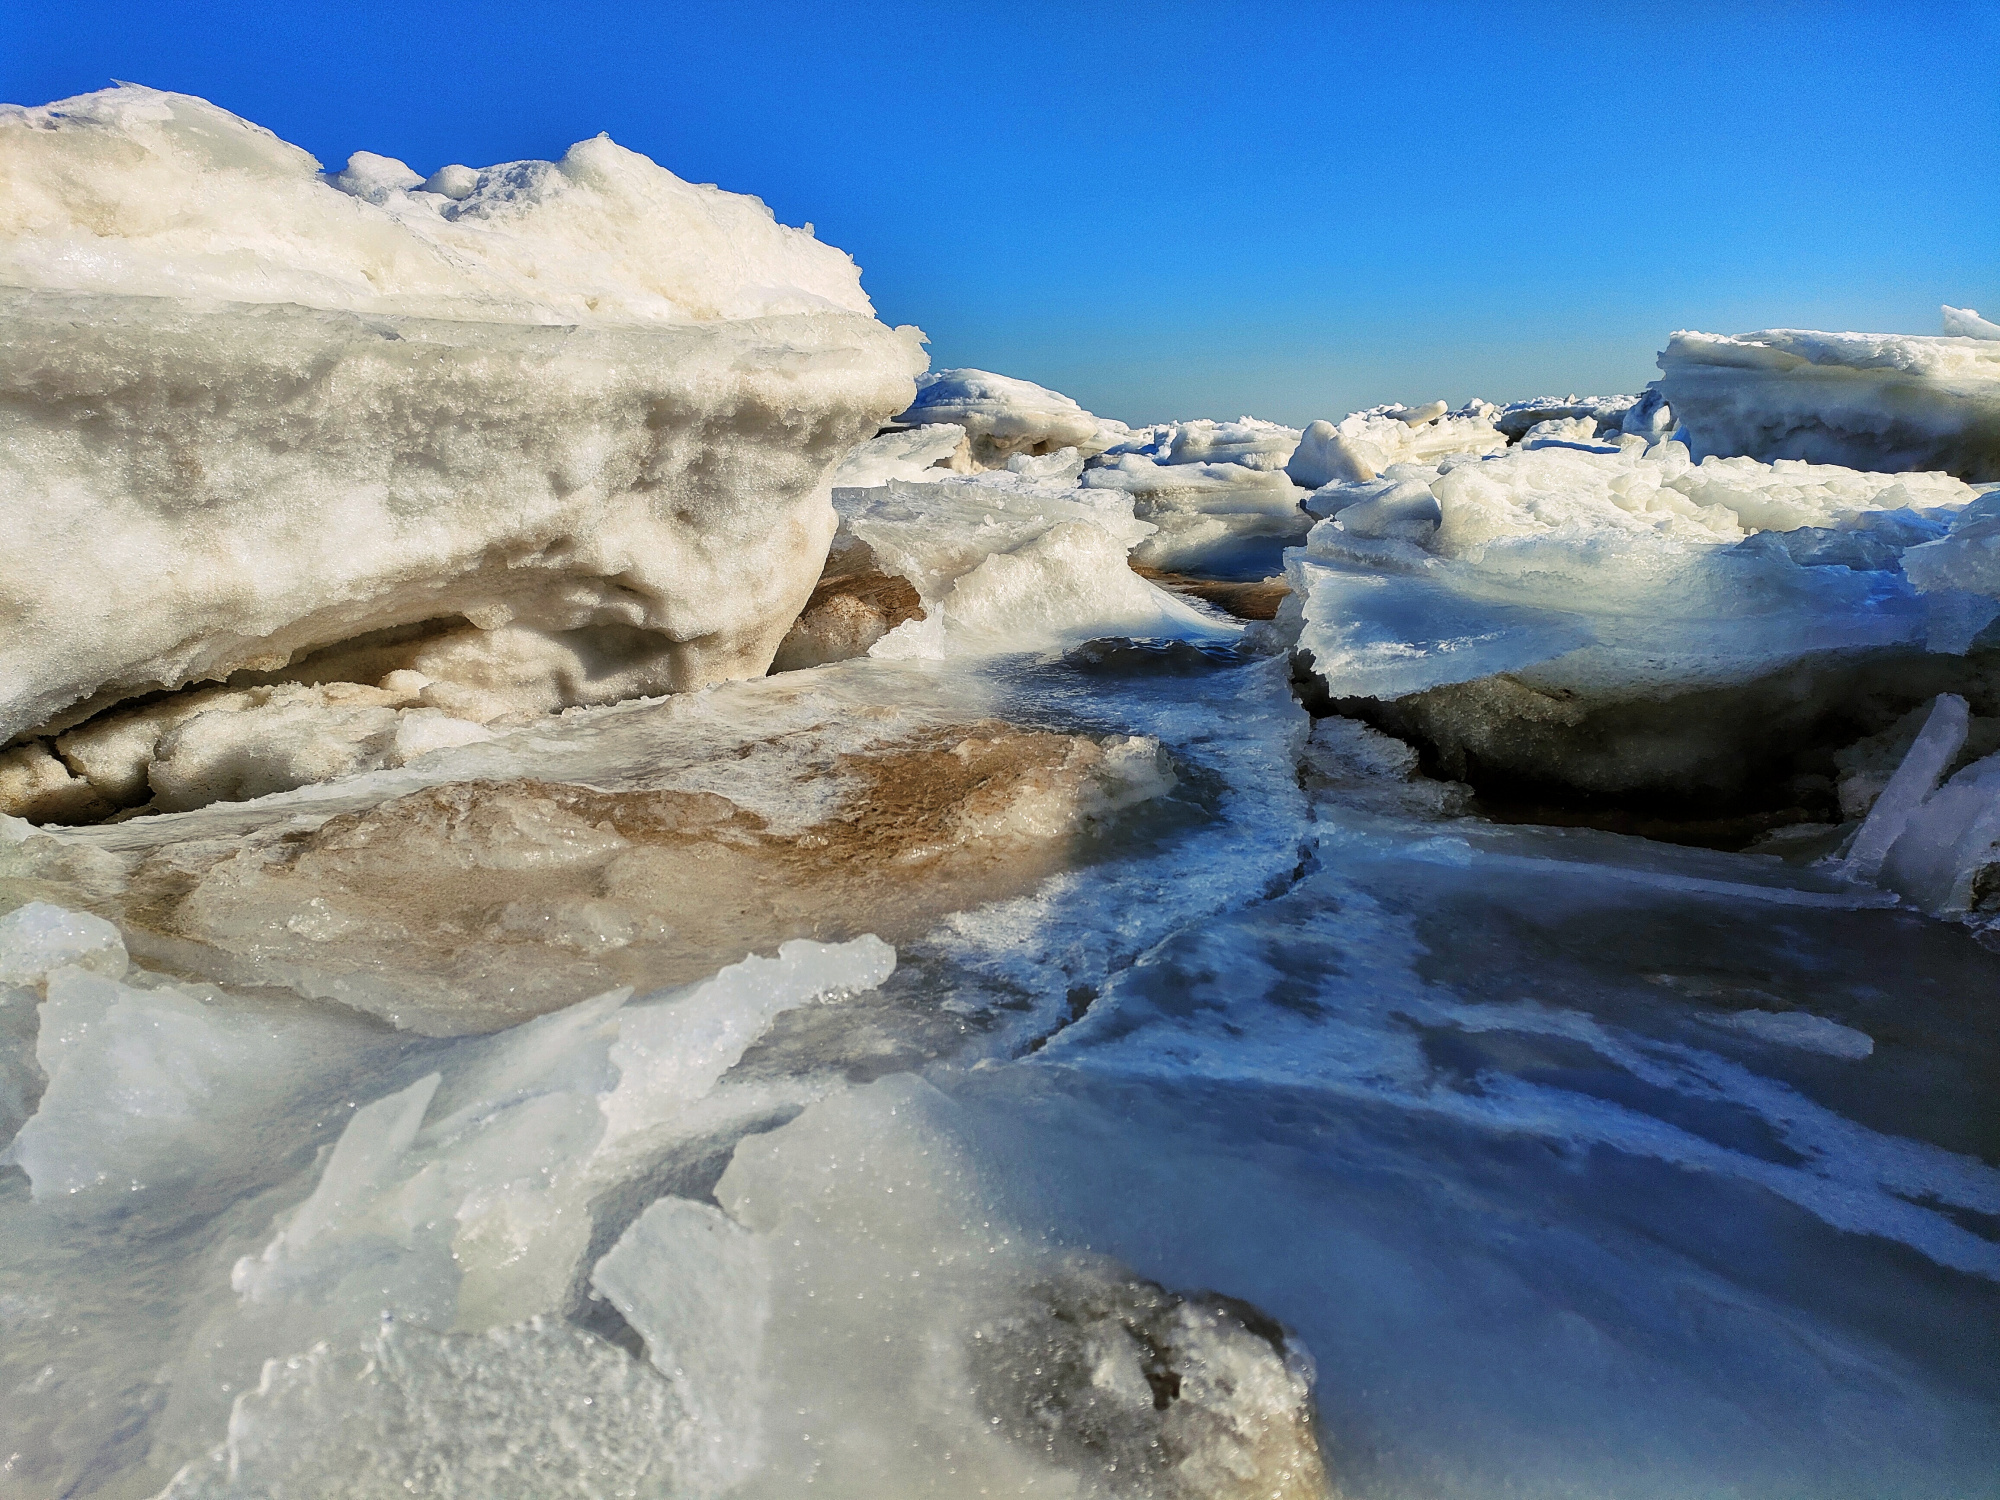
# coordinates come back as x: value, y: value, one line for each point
x: 38, y: 937
x: 1947, y: 841
x: 497, y: 1414
x: 1937, y: 743
x: 695, y: 1285
x: 1885, y: 401
x: 1800, y: 1029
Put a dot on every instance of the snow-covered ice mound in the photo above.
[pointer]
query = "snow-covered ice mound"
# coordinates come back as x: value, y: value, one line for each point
x: 1364, y: 443
x: 540, y: 435
x: 1886, y: 401
x: 1016, y: 560
x: 1003, y: 417
x: 1626, y: 620
x: 149, y: 194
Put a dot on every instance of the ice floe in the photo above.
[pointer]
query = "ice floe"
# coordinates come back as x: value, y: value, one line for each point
x: 1539, y: 613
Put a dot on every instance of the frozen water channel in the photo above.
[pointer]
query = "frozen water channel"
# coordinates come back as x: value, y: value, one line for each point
x: 1575, y: 1163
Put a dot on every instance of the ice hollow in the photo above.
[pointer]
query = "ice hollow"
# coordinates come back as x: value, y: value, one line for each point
x: 283, y: 418
x: 1886, y: 401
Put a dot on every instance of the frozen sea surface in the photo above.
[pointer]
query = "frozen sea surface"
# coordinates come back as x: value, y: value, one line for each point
x: 1577, y: 1164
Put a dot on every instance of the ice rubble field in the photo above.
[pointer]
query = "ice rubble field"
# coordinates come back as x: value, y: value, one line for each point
x: 1110, y: 1013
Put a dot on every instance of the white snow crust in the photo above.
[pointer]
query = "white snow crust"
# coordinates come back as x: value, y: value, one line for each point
x: 143, y: 193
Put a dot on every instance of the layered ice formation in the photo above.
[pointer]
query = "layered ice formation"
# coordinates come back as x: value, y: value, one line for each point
x: 540, y: 435
x: 1619, y: 618
x: 999, y: 562
x: 1884, y: 401
x: 1217, y: 492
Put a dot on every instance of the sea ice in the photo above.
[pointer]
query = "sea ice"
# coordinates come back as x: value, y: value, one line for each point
x: 1217, y: 492
x: 1006, y: 563
x: 1004, y: 417
x: 1886, y: 401
x: 562, y: 439
x: 1364, y: 444
x: 1606, y: 415
x: 508, y: 1414
x: 1511, y: 608
x: 145, y: 193
x: 1086, y: 965
x: 915, y: 1311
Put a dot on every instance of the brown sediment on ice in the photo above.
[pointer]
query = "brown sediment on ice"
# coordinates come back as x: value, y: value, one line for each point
x: 470, y: 906
x: 1244, y: 601
x: 846, y: 614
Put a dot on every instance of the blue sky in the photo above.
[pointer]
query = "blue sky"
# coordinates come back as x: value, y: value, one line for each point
x: 1173, y: 211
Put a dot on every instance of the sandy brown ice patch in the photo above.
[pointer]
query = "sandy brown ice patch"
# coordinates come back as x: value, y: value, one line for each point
x: 474, y: 905
x: 844, y: 617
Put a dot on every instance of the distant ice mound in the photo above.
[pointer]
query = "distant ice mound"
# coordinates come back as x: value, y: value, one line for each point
x: 1883, y: 401
x: 1616, y: 618
x: 1003, y: 417
x: 1217, y: 492
x: 518, y: 439
x: 1364, y: 443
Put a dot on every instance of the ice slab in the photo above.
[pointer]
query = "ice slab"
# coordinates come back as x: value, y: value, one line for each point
x: 917, y: 1311
x: 1915, y: 779
x: 1887, y: 401
x: 526, y: 505
x: 1554, y: 583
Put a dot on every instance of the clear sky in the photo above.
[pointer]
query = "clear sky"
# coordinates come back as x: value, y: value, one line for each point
x: 1203, y: 210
